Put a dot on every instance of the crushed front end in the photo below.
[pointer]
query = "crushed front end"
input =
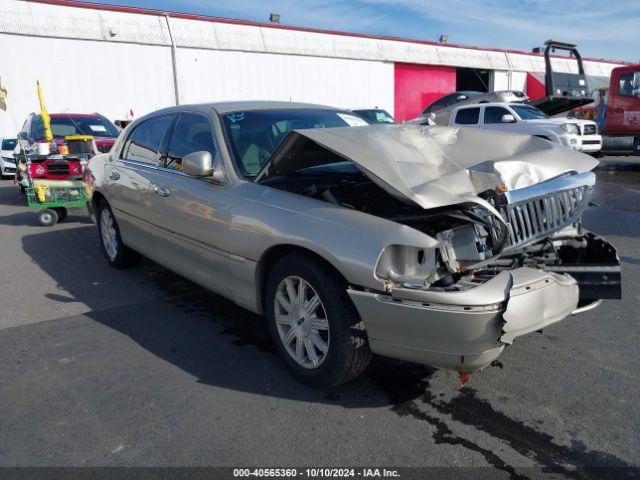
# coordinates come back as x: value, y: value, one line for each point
x: 509, y: 263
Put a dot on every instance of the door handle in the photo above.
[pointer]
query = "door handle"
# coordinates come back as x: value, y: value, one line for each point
x: 162, y: 191
x: 114, y: 175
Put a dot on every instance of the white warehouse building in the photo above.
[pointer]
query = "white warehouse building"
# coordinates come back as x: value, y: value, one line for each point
x: 120, y: 61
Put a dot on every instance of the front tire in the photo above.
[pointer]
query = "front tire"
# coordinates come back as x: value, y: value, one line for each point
x: 118, y: 255
x: 313, y: 323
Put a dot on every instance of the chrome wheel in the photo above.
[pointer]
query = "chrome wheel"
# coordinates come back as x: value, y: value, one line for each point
x: 108, y: 234
x: 302, y: 322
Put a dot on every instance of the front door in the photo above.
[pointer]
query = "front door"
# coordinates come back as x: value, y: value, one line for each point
x: 192, y: 213
x: 493, y: 119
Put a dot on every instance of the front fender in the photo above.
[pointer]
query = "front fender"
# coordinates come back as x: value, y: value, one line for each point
x: 352, y: 241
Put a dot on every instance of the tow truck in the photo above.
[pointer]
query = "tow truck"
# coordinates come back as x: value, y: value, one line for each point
x: 564, y: 91
x: 616, y: 110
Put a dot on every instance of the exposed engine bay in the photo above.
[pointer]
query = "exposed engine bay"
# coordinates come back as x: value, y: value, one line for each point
x: 539, y: 229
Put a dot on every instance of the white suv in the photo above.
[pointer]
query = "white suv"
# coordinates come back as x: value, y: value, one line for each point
x: 7, y: 161
x: 577, y: 134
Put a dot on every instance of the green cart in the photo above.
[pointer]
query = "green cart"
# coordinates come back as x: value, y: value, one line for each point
x: 54, y: 201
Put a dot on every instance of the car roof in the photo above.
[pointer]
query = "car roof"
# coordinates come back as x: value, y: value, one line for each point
x: 65, y: 115
x: 495, y: 104
x: 227, y: 107
x: 239, y: 106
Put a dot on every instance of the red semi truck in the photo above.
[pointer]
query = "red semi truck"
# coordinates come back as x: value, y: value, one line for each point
x: 617, y: 112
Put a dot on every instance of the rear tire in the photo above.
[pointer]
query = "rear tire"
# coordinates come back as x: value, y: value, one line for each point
x: 48, y: 217
x: 322, y: 340
x: 118, y: 255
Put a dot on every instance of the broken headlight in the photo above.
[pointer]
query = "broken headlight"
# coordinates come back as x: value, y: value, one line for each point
x: 406, y: 265
x: 473, y: 243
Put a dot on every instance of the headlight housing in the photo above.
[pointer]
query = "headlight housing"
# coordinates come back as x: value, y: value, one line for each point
x: 570, y: 129
x: 407, y: 265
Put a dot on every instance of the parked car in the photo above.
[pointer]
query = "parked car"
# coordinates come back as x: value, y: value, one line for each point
x: 574, y: 133
x: 7, y: 160
x: 64, y: 124
x: 375, y: 115
x: 435, y: 245
x: 445, y: 103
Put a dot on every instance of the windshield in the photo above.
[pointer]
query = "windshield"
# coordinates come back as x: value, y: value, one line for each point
x: 254, y: 134
x: 527, y: 112
x: 97, y: 126
x: 376, y: 116
x: 8, y: 144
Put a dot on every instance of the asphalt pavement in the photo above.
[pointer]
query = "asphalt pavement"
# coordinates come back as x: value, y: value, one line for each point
x: 140, y: 367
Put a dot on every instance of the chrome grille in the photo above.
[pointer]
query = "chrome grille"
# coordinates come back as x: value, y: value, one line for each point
x: 589, y: 130
x: 530, y: 219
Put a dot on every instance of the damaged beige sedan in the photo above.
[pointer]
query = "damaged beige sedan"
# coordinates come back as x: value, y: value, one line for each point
x: 435, y: 245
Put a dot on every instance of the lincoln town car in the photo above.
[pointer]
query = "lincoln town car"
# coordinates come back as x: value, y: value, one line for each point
x: 439, y: 245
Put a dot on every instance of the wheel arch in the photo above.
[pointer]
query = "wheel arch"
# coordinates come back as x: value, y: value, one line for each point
x: 274, y: 253
x: 95, y: 201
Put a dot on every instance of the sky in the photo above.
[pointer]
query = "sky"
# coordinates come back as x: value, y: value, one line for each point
x: 602, y: 29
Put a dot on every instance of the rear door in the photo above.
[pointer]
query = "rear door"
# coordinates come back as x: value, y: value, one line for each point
x: 129, y: 179
x: 190, y: 213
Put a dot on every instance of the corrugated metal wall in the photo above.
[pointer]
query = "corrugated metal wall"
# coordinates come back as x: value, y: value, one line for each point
x: 206, y: 75
x: 112, y: 61
x: 82, y: 77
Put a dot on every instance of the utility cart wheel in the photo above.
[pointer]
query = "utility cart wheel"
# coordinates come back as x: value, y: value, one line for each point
x: 62, y: 213
x: 48, y: 217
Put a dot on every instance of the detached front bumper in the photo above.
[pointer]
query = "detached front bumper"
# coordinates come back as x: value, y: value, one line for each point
x: 465, y: 330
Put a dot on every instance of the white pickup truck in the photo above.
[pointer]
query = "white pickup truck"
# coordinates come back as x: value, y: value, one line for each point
x: 577, y: 134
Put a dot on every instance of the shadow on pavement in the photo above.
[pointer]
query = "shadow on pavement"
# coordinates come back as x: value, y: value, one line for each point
x: 30, y: 218
x: 203, y: 334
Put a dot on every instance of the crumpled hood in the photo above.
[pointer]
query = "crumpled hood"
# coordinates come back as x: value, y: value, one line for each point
x: 432, y: 166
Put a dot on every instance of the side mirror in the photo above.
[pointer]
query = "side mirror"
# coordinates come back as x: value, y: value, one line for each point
x: 198, y: 164
x: 201, y: 164
x: 508, y: 118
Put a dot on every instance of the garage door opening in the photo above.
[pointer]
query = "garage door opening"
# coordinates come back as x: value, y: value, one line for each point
x: 473, y: 79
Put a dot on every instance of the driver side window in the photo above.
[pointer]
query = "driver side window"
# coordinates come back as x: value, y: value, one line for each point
x: 193, y: 133
x: 495, y: 114
x: 626, y: 86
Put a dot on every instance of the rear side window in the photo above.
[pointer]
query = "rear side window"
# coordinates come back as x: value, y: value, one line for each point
x: 468, y: 116
x: 193, y: 133
x: 494, y: 114
x: 144, y: 143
